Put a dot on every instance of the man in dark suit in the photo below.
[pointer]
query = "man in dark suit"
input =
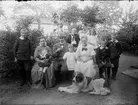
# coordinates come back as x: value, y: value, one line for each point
x: 59, y: 50
x: 115, y: 50
x: 73, y: 38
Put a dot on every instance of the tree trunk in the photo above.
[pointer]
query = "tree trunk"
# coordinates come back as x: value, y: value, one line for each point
x: 69, y: 27
x: 39, y: 24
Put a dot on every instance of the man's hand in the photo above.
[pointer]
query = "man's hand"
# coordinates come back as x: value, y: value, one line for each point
x: 42, y: 61
x: 15, y: 60
x: 31, y: 57
x: 58, y: 49
x: 85, y: 61
x: 79, y: 59
x: 100, y: 65
x: 94, y: 59
x: 103, y: 63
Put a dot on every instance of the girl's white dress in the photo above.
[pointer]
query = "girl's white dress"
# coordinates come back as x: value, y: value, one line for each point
x: 86, y: 68
x: 70, y: 58
x: 93, y: 40
x: 81, y: 34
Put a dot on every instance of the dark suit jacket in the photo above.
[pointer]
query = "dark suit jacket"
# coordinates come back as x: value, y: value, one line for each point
x: 23, y: 49
x: 59, y: 55
x: 115, y: 49
x: 77, y: 39
x: 102, y: 55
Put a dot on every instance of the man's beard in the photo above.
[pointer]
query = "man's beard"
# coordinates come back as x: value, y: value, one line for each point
x: 85, y: 44
x: 25, y: 37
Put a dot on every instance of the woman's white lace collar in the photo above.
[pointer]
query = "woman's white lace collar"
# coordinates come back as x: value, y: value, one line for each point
x: 22, y: 38
x: 114, y: 41
x: 103, y: 47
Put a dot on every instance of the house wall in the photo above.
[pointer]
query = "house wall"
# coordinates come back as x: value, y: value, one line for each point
x: 47, y: 28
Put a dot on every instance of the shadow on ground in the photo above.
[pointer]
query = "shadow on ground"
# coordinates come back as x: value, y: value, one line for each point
x: 124, y: 91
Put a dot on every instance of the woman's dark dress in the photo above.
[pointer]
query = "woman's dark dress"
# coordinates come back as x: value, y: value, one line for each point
x: 41, y: 78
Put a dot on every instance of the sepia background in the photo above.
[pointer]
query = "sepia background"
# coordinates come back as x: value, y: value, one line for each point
x: 44, y: 18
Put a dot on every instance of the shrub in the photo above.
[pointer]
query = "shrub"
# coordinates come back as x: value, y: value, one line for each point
x: 7, y: 64
x: 8, y: 68
x: 128, y: 35
x: 23, y: 22
x: 104, y: 35
x: 129, y: 39
x: 78, y: 27
x: 52, y: 39
x: 34, y: 37
x: 7, y: 39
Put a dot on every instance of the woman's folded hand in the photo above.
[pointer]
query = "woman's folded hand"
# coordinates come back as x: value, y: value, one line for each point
x: 79, y: 60
x: 84, y: 61
x: 42, y: 61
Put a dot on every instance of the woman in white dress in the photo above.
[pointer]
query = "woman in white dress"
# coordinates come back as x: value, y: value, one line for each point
x: 85, y: 55
x: 92, y: 38
x: 83, y: 31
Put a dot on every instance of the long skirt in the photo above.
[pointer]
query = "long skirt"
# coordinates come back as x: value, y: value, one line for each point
x: 43, y: 78
x: 88, y: 68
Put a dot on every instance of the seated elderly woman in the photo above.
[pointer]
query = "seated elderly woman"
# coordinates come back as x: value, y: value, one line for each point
x: 42, y: 72
x: 85, y: 56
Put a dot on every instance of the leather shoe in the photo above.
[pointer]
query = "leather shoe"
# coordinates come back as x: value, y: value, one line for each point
x: 113, y: 78
x: 23, y: 83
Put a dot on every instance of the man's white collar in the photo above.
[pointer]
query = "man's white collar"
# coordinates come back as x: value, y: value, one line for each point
x: 22, y: 38
x: 114, y: 41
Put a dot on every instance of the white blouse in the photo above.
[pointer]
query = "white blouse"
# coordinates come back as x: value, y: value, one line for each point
x: 93, y: 40
x: 85, y: 54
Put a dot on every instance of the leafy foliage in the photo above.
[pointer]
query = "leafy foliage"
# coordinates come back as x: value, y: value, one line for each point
x: 55, y: 18
x: 1, y: 11
x: 8, y: 68
x: 34, y: 37
x: 7, y: 39
x: 129, y: 37
x: 110, y: 11
x: 23, y: 22
x: 51, y: 40
x: 128, y: 32
x: 89, y: 16
x: 7, y: 64
x: 38, y: 11
x: 71, y: 14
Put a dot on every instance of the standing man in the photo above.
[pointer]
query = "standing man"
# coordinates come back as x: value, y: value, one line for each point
x: 59, y: 64
x: 73, y: 38
x: 23, y: 54
x: 115, y: 50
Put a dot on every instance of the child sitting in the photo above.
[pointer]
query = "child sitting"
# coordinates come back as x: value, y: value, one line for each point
x: 70, y: 60
x: 45, y: 57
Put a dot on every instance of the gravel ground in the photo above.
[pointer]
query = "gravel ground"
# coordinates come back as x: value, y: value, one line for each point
x: 124, y: 91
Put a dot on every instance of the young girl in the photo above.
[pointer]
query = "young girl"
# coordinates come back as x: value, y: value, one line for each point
x: 92, y: 38
x: 70, y: 60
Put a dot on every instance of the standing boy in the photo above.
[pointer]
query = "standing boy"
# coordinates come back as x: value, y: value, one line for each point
x: 115, y: 50
x: 23, y: 52
x: 103, y: 59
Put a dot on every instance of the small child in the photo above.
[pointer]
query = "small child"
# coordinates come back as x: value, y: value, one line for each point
x: 70, y: 59
x: 103, y: 59
x: 44, y: 56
